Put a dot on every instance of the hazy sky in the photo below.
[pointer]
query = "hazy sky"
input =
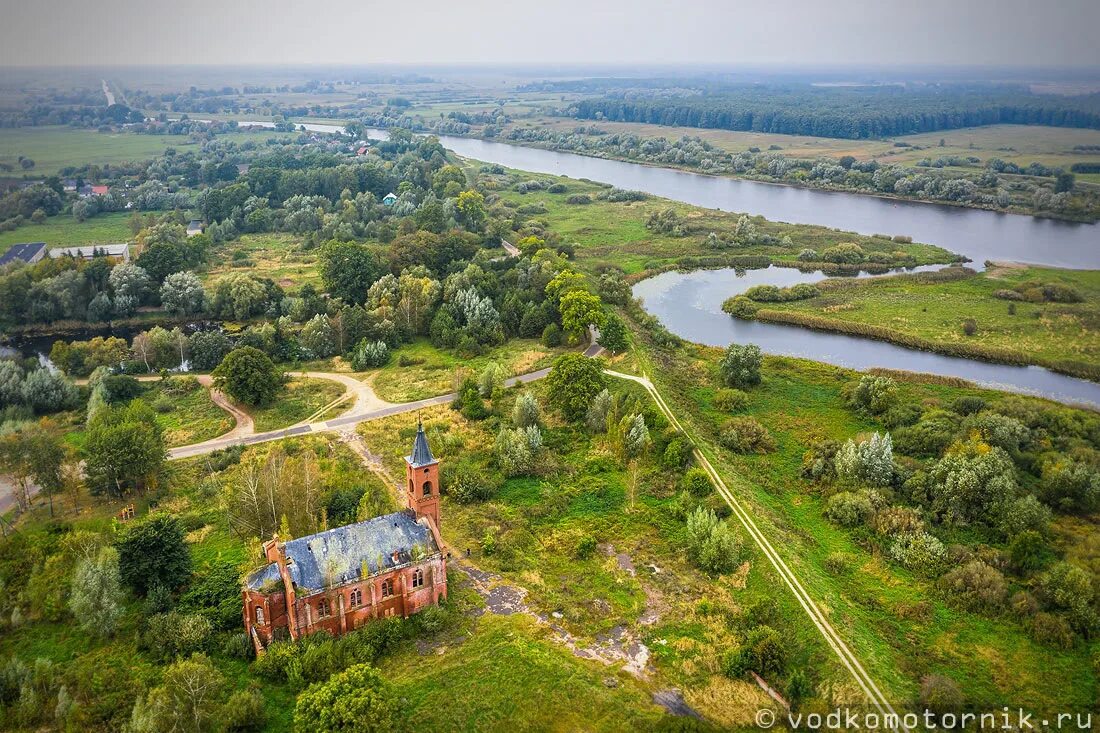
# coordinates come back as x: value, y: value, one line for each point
x: 804, y: 32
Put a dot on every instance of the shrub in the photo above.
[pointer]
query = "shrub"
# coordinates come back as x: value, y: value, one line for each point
x: 901, y: 416
x: 746, y: 435
x: 871, y: 461
x: 998, y: 430
x: 579, y: 199
x: 731, y: 400
x: 740, y: 366
x: 927, y: 439
x: 1068, y: 588
x: 154, y: 552
x: 976, y: 587
x: 849, y: 508
x: 897, y: 520
x: 1028, y: 551
x: 369, y: 355
x: 712, y: 544
x: 968, y: 405
x: 356, y: 699
x: 873, y: 394
x: 844, y: 254
x: 696, y: 482
x: 940, y: 694
x: 467, y: 484
x: 808, y: 255
x: 1023, y: 514
x: 1071, y: 486
x: 173, y: 634
x: 918, y: 551
x: 677, y: 453
x: 245, y: 712
x: 763, y: 652
x: 1052, y: 630
x: 551, y: 335
x: 740, y: 307
x: 970, y: 326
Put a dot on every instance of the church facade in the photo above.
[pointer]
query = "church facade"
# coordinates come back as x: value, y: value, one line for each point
x: 337, y: 580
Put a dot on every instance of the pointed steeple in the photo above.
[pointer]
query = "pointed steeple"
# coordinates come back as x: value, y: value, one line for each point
x: 421, y: 452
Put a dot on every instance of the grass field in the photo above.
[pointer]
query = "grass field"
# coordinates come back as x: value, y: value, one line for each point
x: 895, y: 621
x: 1052, y: 334
x: 277, y: 256
x: 63, y: 231
x: 300, y: 398
x: 430, y: 371
x: 614, y: 234
x: 54, y: 148
x: 188, y: 418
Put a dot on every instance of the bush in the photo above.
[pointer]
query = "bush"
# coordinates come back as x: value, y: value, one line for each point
x: 551, y: 335
x: 970, y: 327
x: 976, y: 587
x: 763, y: 652
x: 1028, y: 551
x: 870, y: 461
x: 579, y: 199
x: 245, y: 712
x: 872, y: 394
x: 697, y: 482
x: 467, y: 484
x: 173, y: 634
x: 357, y: 699
x: 369, y: 355
x: 1052, y: 630
x: 740, y: 366
x: 731, y: 400
x: 248, y: 375
x: 712, y: 544
x: 746, y: 435
x: 940, y: 694
x: 918, y: 551
x: 1070, y: 486
x: 968, y: 405
x: 844, y: 254
x: 901, y: 416
x: 897, y: 520
x: 740, y: 307
x: 849, y: 508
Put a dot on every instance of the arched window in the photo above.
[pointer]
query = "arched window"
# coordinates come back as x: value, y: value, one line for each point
x: 356, y: 598
x: 418, y: 578
x: 260, y: 615
x: 387, y: 587
x: 323, y: 609
x: 427, y: 488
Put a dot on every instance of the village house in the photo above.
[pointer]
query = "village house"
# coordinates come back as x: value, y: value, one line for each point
x: 194, y: 227
x: 29, y: 252
x: 389, y: 199
x: 338, y: 580
x: 117, y: 251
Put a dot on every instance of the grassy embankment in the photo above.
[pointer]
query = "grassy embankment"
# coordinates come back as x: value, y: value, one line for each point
x: 895, y: 621
x: 969, y: 316
x: 1019, y: 144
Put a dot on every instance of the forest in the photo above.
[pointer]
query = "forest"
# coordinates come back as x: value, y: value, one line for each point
x: 843, y: 112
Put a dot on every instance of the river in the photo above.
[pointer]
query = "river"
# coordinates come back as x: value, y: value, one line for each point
x: 689, y: 304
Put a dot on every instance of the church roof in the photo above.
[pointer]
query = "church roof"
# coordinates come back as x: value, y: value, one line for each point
x: 341, y: 555
x: 421, y: 453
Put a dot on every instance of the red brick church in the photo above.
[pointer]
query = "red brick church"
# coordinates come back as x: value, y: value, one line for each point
x: 339, y: 579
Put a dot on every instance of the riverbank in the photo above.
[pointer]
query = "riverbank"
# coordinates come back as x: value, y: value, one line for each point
x: 1010, y: 315
x: 805, y: 184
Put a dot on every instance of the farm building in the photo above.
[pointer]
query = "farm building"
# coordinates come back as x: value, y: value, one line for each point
x: 91, y: 251
x: 29, y: 252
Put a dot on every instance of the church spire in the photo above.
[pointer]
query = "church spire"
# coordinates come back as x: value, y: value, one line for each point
x: 421, y: 452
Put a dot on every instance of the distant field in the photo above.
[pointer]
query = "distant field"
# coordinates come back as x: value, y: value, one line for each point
x: 1021, y: 144
x: 64, y: 230
x: 54, y: 148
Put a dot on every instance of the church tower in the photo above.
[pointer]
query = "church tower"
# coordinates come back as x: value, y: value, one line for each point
x: 422, y: 478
